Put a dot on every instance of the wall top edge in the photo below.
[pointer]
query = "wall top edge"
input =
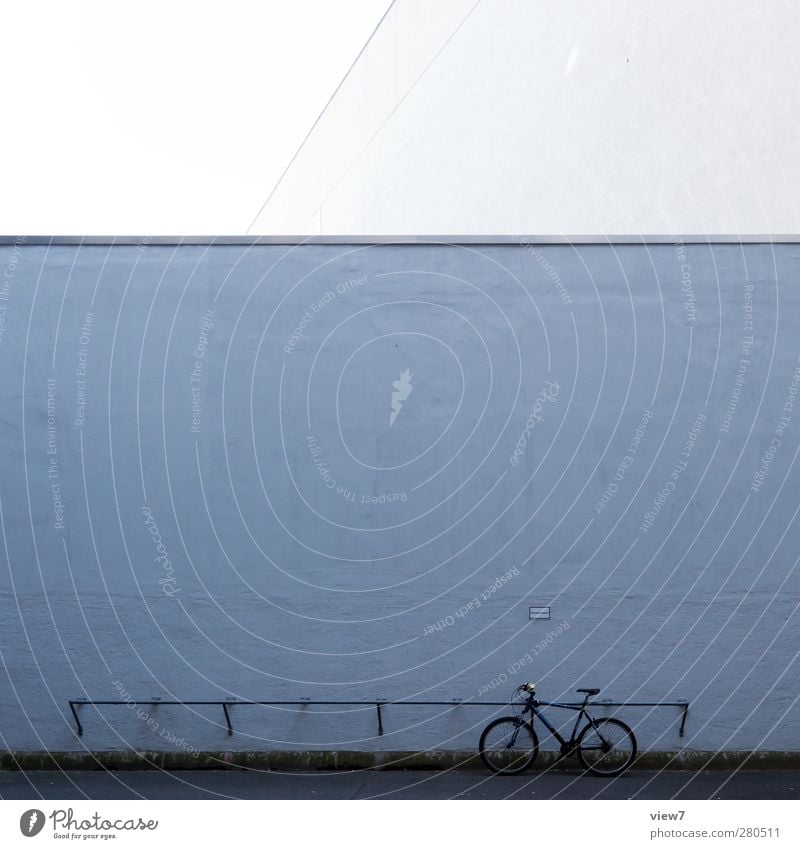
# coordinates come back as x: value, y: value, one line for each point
x: 522, y: 241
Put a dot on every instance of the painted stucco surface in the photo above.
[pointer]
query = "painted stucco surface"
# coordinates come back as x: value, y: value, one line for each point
x: 336, y: 472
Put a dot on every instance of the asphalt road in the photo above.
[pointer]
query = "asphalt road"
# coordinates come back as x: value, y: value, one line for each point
x: 417, y: 784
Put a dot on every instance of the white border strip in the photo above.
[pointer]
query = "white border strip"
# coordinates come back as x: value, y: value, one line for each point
x: 522, y: 241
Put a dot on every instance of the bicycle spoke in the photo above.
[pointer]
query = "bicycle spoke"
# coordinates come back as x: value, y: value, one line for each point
x: 608, y: 747
x: 507, y: 746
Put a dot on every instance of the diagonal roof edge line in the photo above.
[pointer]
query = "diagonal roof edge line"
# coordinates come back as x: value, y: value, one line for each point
x: 395, y: 108
x: 324, y: 110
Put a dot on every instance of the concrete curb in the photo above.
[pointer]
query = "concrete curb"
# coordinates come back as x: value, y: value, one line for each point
x: 348, y: 760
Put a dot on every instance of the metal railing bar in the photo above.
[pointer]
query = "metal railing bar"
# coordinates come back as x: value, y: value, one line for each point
x: 226, y: 704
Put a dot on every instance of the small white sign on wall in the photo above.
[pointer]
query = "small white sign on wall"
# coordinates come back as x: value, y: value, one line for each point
x: 538, y: 612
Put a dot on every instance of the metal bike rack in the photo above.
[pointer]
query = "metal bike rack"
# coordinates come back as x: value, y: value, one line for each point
x: 227, y: 704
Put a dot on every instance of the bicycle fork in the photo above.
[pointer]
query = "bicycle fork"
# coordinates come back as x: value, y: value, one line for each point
x: 514, y: 735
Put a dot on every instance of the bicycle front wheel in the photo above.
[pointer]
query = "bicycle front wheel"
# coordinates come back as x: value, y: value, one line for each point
x: 508, y: 746
x: 607, y: 747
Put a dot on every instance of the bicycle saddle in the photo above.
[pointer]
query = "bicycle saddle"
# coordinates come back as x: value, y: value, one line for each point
x: 590, y: 691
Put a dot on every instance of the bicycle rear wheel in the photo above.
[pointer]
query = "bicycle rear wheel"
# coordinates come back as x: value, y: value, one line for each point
x: 606, y: 748
x: 508, y: 746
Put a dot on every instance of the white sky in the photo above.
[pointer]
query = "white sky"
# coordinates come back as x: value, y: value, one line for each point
x: 162, y: 117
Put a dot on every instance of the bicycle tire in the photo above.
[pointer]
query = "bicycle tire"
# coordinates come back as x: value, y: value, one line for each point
x: 500, y: 759
x: 626, y: 751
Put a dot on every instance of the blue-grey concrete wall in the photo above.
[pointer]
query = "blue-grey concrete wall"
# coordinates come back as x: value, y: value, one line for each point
x: 217, y: 481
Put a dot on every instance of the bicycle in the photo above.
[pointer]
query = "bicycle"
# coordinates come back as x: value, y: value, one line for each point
x: 509, y: 745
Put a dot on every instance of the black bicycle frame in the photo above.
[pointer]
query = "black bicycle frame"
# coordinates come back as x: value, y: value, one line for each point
x: 533, y: 706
